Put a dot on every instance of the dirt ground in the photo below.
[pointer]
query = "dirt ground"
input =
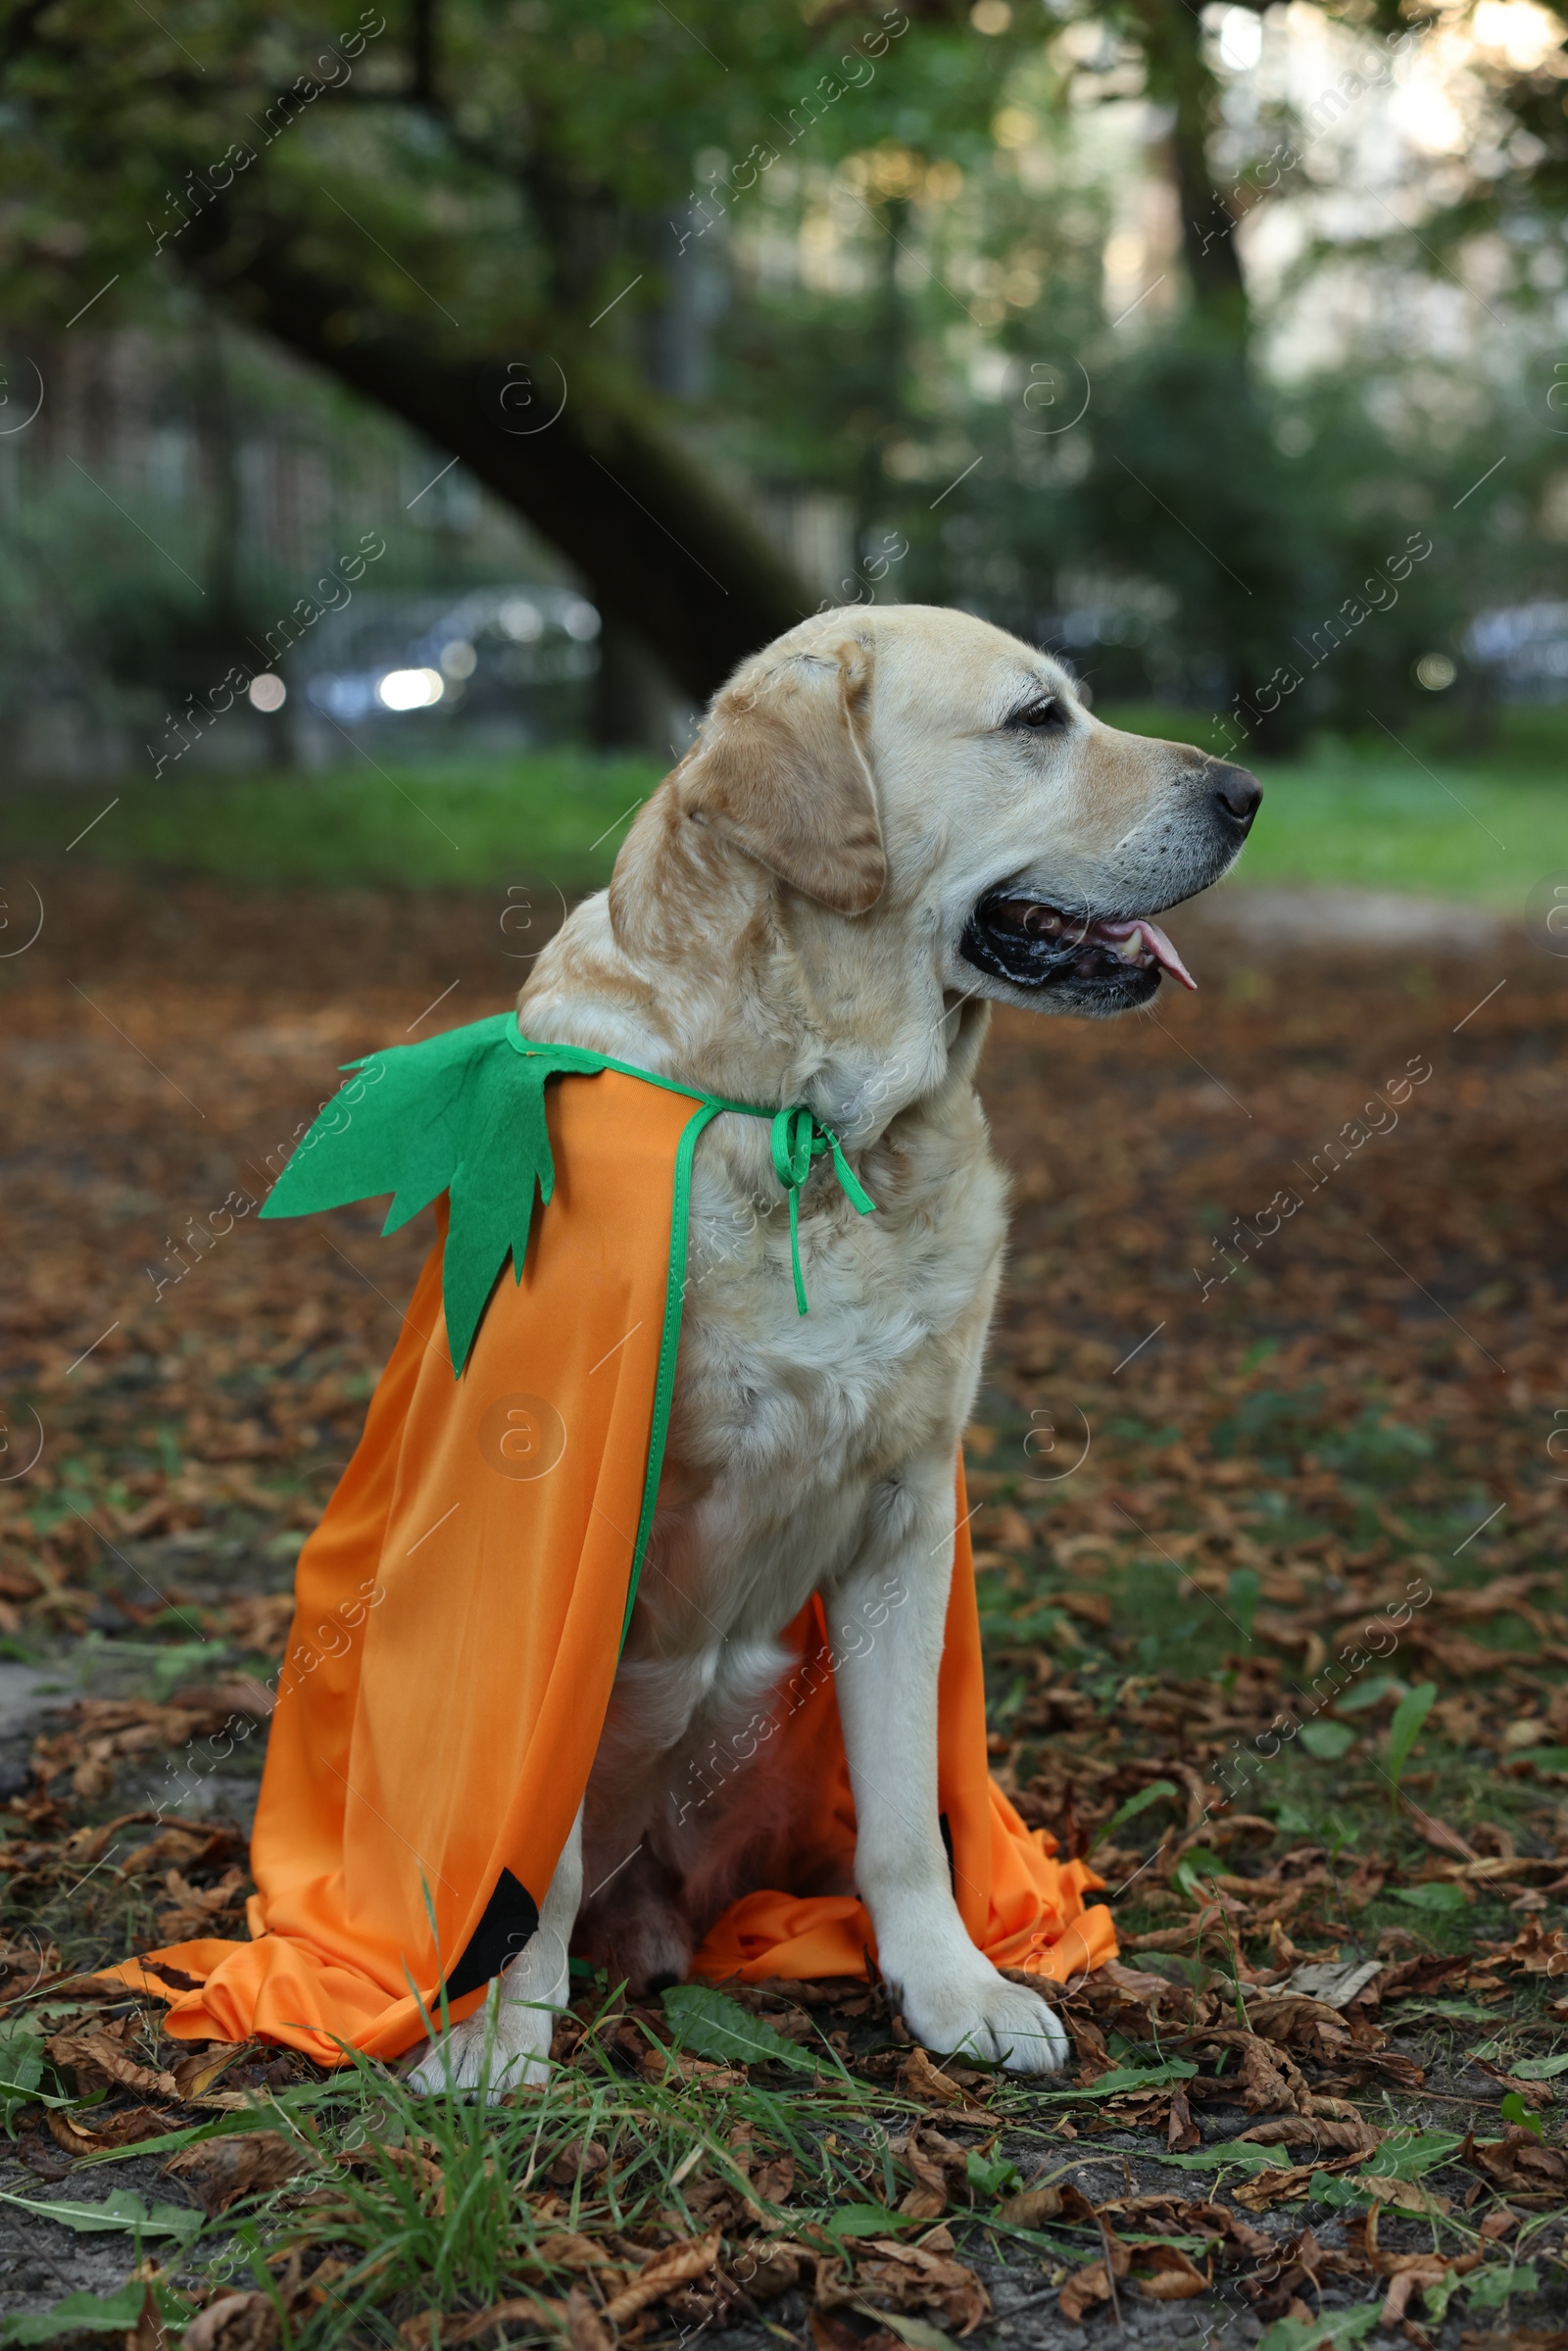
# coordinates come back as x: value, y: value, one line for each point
x: 1281, y: 1355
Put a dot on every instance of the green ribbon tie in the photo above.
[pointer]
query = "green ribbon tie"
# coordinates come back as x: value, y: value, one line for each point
x: 797, y: 1140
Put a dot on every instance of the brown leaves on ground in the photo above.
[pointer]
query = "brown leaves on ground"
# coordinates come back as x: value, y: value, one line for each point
x: 1522, y: 2166
x: 242, y: 2322
x: 256, y: 1369
x: 889, y: 2275
x: 198, y: 1910
x: 1517, y: 2339
x: 98, y: 2130
x: 935, y: 2084
x: 671, y: 2267
x: 101, y: 1734
x: 1538, y: 1950
x: 99, y: 2059
x: 219, y: 2171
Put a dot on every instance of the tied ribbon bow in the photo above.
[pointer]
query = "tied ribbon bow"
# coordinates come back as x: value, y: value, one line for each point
x: 797, y: 1140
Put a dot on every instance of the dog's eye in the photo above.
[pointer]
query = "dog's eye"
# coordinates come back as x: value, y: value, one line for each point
x: 1045, y: 715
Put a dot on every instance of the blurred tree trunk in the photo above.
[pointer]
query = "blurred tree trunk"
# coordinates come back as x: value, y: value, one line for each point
x: 665, y: 550
x: 1173, y: 36
x: 631, y: 701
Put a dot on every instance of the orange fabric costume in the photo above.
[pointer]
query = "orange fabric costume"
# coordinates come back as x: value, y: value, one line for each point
x: 460, y: 1612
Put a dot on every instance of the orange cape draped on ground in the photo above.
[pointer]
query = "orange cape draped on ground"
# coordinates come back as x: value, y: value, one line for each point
x: 458, y: 1618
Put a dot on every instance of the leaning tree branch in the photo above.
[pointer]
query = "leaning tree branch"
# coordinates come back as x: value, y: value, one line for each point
x: 664, y: 550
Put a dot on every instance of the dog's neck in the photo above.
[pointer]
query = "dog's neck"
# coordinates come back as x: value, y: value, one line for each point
x: 698, y: 965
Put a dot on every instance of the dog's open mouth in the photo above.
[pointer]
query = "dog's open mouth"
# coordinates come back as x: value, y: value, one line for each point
x: 1037, y: 945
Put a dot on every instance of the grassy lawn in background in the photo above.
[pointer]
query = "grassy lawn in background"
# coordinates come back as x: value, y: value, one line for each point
x: 1369, y: 814
x: 555, y: 815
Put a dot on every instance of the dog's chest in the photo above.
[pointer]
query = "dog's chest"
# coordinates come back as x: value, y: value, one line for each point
x: 788, y: 1428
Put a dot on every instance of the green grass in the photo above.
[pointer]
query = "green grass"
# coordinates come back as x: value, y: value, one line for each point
x: 1455, y: 832
x: 554, y: 815
x: 1432, y: 821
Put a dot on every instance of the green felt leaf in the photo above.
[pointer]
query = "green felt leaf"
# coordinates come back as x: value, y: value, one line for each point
x: 462, y: 1114
x: 712, y: 2025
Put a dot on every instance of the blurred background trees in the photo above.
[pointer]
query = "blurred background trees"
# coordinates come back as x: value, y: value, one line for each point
x: 1214, y: 347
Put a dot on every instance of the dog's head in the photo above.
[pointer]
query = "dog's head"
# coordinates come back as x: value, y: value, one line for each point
x: 918, y: 765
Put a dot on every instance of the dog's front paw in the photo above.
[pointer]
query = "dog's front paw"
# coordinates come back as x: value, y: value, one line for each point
x: 984, y: 2016
x: 504, y: 2045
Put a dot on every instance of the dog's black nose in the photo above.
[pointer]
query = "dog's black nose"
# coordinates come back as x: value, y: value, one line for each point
x: 1238, y: 793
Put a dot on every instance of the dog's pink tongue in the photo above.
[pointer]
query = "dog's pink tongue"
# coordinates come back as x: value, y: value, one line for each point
x: 1160, y: 947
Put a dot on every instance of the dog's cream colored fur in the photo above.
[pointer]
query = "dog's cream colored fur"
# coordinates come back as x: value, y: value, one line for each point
x: 783, y: 926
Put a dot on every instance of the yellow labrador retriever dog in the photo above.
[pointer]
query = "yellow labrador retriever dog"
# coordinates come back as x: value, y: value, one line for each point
x: 891, y: 819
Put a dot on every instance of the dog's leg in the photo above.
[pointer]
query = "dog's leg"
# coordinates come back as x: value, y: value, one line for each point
x: 887, y: 1626
x: 505, y: 2043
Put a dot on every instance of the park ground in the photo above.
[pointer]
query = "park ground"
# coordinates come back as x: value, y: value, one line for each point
x: 1319, y: 2099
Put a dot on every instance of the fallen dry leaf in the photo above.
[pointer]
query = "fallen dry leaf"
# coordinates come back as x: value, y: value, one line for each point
x: 1031, y: 2208
x: 1517, y: 2339
x: 1182, y: 2133
x: 1328, y: 2137
x: 120, y: 2129
x: 927, y: 2199
x: 1518, y: 2163
x: 905, y: 2277
x: 98, y: 2062
x: 1165, y: 2274
x: 585, y: 2328
x: 1085, y: 2290
x: 918, y: 2078
x: 1406, y: 2195
x: 1265, y: 2190
x: 246, y: 2321
x: 660, y: 2274
x: 199, y: 2068
x: 420, y: 2331
x: 569, y: 2249
x: 221, y: 2171
x: 1538, y: 1950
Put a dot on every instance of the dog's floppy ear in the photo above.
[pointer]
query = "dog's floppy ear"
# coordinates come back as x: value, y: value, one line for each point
x: 780, y: 770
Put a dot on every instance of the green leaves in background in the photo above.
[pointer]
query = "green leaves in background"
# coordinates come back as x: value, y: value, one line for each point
x: 1328, y: 1742
x: 1440, y: 1900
